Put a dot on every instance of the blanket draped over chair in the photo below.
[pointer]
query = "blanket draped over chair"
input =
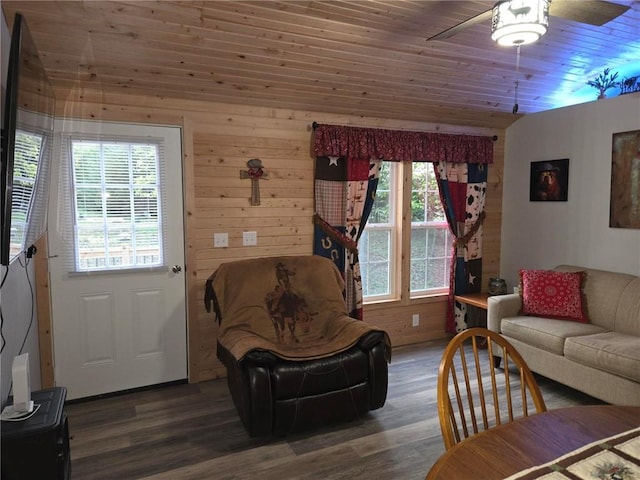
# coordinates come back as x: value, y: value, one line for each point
x: 291, y: 306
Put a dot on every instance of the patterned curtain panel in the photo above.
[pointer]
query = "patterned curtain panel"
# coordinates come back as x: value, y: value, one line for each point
x: 344, y: 193
x: 462, y: 190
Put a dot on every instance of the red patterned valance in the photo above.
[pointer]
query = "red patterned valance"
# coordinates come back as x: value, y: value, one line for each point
x: 398, y: 145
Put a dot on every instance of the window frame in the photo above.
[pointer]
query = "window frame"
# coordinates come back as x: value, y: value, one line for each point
x: 74, y: 263
x: 395, y: 182
x: 427, y: 225
x: 401, y: 291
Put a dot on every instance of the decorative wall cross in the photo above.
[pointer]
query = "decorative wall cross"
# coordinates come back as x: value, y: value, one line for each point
x: 255, y: 173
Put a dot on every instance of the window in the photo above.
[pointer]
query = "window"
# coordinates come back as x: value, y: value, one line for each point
x: 428, y: 246
x: 377, y: 244
x: 430, y: 236
x: 116, y: 203
x: 28, y: 151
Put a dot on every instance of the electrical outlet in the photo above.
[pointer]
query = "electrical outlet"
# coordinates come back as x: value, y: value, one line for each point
x: 220, y: 240
x: 416, y: 319
x: 249, y: 238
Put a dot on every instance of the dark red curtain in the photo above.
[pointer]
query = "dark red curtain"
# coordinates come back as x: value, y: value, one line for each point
x: 399, y: 145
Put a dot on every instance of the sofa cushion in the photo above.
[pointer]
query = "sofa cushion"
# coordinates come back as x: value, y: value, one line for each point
x: 545, y: 333
x: 603, y: 291
x: 611, y: 351
x: 627, y: 319
x: 551, y: 294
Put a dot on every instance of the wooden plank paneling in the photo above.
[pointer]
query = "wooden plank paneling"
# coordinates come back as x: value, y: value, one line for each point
x: 43, y: 308
x: 354, y: 58
x: 219, y: 138
x: 397, y: 320
x: 368, y: 58
x: 191, y: 271
x: 348, y: 58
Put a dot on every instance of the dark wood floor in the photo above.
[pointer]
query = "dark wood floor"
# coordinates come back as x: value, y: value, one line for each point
x: 185, y: 431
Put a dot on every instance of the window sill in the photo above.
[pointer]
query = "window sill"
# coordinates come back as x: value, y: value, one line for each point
x: 381, y: 304
x: 116, y: 271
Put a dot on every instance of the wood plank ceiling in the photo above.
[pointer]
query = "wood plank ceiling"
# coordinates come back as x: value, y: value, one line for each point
x: 346, y: 57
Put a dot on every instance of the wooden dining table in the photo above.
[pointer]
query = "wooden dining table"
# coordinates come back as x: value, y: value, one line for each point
x: 531, y: 441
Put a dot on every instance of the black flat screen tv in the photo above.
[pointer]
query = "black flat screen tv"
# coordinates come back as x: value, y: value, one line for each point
x: 27, y: 132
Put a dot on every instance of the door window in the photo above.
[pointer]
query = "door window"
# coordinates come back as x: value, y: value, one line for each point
x: 117, y: 204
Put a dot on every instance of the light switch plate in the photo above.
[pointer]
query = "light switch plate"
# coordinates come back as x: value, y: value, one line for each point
x: 220, y: 240
x: 249, y: 238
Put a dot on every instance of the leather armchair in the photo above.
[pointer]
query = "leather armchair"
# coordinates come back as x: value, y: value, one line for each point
x: 329, y: 368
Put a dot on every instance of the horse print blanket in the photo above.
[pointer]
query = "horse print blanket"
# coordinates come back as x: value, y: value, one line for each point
x: 290, y: 306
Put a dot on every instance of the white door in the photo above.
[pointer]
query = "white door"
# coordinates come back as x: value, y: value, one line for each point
x: 117, y: 252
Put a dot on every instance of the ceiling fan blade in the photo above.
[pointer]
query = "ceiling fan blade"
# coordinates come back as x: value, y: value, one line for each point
x: 591, y: 12
x: 450, y: 32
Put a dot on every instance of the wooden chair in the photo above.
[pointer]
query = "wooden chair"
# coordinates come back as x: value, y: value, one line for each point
x: 473, y: 395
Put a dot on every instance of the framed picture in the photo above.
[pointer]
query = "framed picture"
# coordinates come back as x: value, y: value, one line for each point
x: 549, y: 181
x: 624, y: 209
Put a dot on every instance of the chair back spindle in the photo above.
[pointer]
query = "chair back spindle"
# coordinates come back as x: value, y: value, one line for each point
x: 473, y: 395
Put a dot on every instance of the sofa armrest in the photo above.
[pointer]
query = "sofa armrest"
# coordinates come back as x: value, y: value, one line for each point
x: 501, y: 306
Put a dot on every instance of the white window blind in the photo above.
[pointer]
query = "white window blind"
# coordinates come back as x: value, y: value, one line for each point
x: 39, y: 205
x: 115, y: 203
x: 28, y: 210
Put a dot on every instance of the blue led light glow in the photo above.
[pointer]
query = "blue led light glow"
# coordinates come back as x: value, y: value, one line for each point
x: 625, y: 61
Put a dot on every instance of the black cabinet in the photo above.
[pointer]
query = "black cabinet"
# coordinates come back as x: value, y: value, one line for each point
x: 38, y: 448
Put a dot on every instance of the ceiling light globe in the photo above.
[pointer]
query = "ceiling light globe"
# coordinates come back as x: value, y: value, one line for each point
x: 519, y: 22
x: 513, y: 35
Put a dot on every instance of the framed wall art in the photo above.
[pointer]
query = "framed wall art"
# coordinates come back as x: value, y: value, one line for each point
x: 624, y: 207
x: 549, y: 181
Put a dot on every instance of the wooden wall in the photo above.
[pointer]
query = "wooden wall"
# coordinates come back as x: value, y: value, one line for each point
x: 218, y: 141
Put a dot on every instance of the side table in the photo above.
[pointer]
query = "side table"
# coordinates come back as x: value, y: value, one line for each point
x: 38, y: 447
x: 478, y: 301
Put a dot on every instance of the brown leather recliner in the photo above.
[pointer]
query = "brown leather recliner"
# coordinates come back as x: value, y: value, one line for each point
x: 295, y: 360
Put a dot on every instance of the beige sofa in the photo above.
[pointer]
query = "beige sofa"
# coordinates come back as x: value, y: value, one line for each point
x: 600, y: 358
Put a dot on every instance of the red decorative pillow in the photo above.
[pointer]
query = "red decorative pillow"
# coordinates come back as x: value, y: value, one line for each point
x: 547, y: 293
